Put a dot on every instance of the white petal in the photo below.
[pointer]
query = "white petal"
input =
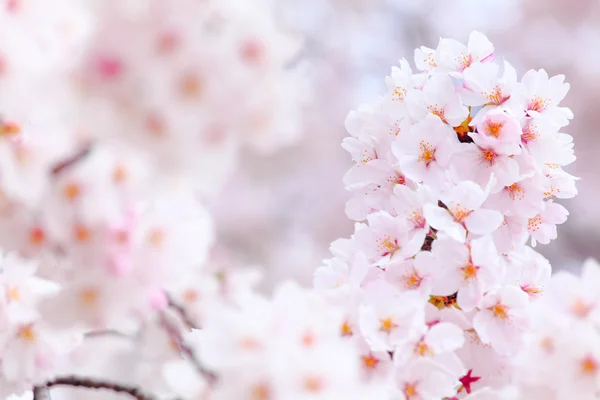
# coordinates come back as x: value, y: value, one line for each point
x: 482, y: 222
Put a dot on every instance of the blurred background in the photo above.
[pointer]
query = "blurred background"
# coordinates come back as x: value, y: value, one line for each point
x: 281, y: 210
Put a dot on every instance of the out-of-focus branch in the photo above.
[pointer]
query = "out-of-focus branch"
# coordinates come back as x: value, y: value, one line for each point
x: 107, y: 332
x: 187, y: 351
x: 182, y: 312
x: 42, y: 392
x: 69, y: 162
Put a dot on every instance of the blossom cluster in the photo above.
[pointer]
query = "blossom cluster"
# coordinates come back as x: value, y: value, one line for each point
x: 560, y: 358
x: 118, y: 121
x: 457, y: 167
x: 287, y: 347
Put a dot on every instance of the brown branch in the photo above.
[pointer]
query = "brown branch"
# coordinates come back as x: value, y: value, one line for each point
x: 187, y: 351
x: 182, y: 312
x: 89, y: 383
x: 41, y: 393
x: 69, y: 162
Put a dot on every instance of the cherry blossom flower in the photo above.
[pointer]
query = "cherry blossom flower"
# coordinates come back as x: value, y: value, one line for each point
x: 424, y: 379
x: 538, y: 96
x: 438, y: 98
x: 470, y: 270
x: 455, y: 57
x: 542, y: 227
x: 386, y: 239
x: 500, y: 132
x: 481, y: 84
x: 462, y: 212
x: 425, y: 153
x: 502, y: 319
x: 390, y: 317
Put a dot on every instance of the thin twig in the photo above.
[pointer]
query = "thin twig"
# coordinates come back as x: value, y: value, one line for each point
x: 186, y: 350
x: 69, y: 162
x: 182, y: 312
x: 89, y: 383
x: 107, y: 332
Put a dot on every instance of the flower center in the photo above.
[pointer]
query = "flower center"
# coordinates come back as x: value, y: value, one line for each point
x: 494, y: 128
x: 488, y: 156
x: 190, y: 86
x: 529, y: 133
x: 261, y: 392
x: 469, y: 271
x: 412, y: 281
x: 423, y: 350
x: 386, y: 245
x: 399, y: 93
x: 82, y: 233
x: 460, y: 214
x: 531, y: 290
x: 387, y: 325
x: 27, y: 333
x: 500, y: 311
x: 589, y: 365
x: 9, y: 128
x: 369, y: 361
x: 37, y: 236
x: 72, y: 191
x: 346, y: 329
x: 13, y: 293
x: 89, y: 296
x: 427, y: 153
x: 465, y: 61
x: 533, y: 224
x: 190, y: 296
x: 495, y: 96
x: 515, y: 191
x: 313, y: 384
x: 438, y: 112
x: 581, y: 308
x: 538, y: 104
x: 410, y: 390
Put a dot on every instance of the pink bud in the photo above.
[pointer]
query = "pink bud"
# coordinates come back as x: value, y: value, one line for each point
x: 158, y: 299
x: 109, y: 67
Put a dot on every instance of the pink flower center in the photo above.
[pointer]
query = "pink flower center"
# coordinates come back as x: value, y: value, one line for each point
x: 488, y: 156
x: 427, y: 153
x: 516, y: 192
x: 387, y: 325
x: 538, y: 104
x: 494, y: 128
x: 500, y: 311
x: 109, y: 67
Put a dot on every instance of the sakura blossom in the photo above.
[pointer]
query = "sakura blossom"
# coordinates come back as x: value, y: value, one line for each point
x: 122, y: 122
x: 477, y: 196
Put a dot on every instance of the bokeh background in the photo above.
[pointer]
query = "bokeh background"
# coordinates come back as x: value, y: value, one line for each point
x: 280, y: 211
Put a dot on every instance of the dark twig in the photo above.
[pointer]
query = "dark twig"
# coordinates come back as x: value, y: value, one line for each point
x: 41, y: 393
x: 76, y: 381
x: 69, y: 162
x: 187, y: 351
x: 182, y: 312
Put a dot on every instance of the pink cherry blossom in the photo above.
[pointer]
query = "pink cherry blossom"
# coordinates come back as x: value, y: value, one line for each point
x: 502, y: 318
x: 471, y: 270
x: 462, y: 212
x: 455, y: 57
x: 499, y: 131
